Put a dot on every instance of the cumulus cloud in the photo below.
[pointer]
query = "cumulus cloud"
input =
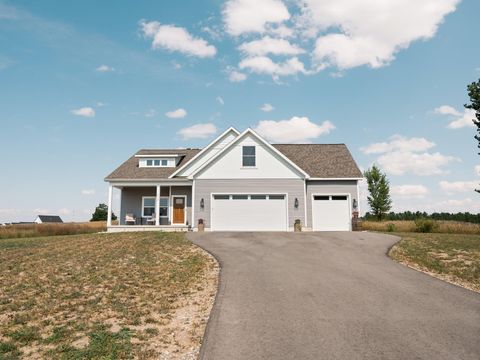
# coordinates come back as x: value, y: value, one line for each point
x: 355, y: 41
x: 265, y: 65
x: 84, y: 111
x: 409, y: 191
x: 176, y: 114
x: 295, y: 130
x: 477, y: 169
x: 458, y: 186
x: 236, y: 76
x: 104, y: 68
x: 401, y: 155
x: 268, y: 45
x: 267, y: 108
x: 458, y: 119
x: 88, y: 192
x: 198, y: 131
x: 173, y: 38
x: 253, y: 16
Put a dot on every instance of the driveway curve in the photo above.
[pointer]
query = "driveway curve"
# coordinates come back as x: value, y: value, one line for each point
x: 331, y: 296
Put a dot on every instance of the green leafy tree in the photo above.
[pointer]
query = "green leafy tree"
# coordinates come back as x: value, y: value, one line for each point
x: 379, y: 189
x: 474, y: 94
x: 101, y: 213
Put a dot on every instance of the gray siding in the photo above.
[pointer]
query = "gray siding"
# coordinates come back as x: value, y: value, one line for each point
x: 328, y: 187
x: 293, y: 187
x: 131, y: 200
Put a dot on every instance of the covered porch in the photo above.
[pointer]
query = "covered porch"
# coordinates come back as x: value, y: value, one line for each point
x: 162, y: 206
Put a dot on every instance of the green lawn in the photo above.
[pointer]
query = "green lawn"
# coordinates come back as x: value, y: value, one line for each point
x: 452, y: 257
x: 103, y: 296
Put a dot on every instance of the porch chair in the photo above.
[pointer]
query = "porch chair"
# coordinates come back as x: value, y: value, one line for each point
x: 130, y: 219
x: 151, y: 219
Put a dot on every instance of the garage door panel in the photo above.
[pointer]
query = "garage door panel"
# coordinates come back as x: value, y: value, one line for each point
x: 331, y: 213
x: 256, y: 213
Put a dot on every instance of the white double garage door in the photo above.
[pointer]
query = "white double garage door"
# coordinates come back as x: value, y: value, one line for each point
x: 269, y: 212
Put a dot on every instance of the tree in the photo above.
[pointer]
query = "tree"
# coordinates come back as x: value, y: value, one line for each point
x: 474, y: 95
x: 101, y: 213
x: 379, y: 189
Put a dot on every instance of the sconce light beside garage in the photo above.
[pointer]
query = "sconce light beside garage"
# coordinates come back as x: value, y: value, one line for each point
x: 296, y: 203
x: 354, y: 204
x: 202, y: 204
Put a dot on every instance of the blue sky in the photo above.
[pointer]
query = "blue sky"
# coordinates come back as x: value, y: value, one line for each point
x: 85, y: 84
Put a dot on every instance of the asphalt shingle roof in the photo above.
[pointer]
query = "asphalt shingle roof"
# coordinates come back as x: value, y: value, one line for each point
x: 50, y: 219
x: 317, y: 160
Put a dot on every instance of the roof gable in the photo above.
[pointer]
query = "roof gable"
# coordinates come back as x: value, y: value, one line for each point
x: 270, y: 163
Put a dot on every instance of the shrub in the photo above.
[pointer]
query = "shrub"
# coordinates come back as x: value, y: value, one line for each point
x: 424, y: 225
x: 391, y: 227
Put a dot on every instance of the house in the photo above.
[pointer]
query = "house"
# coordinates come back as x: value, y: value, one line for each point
x: 239, y: 182
x: 43, y: 219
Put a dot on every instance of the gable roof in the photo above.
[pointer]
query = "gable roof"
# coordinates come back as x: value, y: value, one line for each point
x: 130, y: 170
x: 322, y: 160
x: 50, y: 219
x: 259, y: 138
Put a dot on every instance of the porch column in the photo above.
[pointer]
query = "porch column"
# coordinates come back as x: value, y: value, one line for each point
x: 109, y: 212
x: 119, y: 216
x: 157, y: 207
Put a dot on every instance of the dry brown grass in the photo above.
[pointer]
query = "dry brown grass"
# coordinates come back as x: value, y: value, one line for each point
x: 32, y: 230
x: 104, y: 296
x: 449, y: 227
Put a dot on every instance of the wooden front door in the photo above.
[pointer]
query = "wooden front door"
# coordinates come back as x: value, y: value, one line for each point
x: 178, y: 210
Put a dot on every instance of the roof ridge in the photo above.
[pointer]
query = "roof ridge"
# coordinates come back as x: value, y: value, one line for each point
x: 310, y: 144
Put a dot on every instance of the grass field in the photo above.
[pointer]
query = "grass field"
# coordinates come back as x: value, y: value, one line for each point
x: 104, y: 296
x: 451, y: 257
x: 32, y: 230
x: 450, y: 227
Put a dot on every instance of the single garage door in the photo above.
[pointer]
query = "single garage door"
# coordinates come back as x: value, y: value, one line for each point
x: 331, y: 213
x: 249, y: 212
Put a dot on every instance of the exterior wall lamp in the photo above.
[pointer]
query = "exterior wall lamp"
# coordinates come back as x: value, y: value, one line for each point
x: 354, y: 204
x: 296, y: 203
x: 202, y: 204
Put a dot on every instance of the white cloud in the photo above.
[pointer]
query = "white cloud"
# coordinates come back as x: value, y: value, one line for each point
x: 175, y: 38
x: 105, y: 68
x: 236, y: 76
x: 88, y: 192
x: 247, y: 16
x: 458, y: 186
x: 265, y: 65
x: 401, y: 155
x: 477, y: 169
x: 269, y: 45
x: 295, y: 130
x: 281, y: 31
x: 409, y: 191
x: 459, y: 119
x: 84, y: 111
x: 399, y: 143
x: 220, y: 100
x: 267, y: 107
x: 150, y: 113
x: 199, y: 131
x: 366, y: 32
x: 176, y: 114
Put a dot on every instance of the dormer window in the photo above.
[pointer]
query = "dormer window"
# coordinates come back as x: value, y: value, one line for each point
x: 248, y: 156
x: 169, y: 162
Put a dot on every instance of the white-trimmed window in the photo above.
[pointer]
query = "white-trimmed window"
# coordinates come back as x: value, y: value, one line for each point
x: 148, y: 206
x: 248, y: 156
x: 157, y: 162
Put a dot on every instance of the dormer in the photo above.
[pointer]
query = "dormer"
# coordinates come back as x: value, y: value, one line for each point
x: 158, y: 161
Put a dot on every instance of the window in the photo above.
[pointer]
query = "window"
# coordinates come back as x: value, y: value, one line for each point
x: 248, y: 156
x: 240, y: 197
x: 343, y: 197
x: 149, y: 206
x: 321, y: 197
x: 164, y: 162
x: 149, y: 162
x: 221, y: 197
x: 156, y: 162
x: 258, y: 197
x: 276, y: 197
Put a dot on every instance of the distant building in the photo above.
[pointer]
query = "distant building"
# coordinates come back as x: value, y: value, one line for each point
x: 42, y: 219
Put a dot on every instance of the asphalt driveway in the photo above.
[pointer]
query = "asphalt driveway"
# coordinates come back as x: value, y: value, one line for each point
x: 331, y: 296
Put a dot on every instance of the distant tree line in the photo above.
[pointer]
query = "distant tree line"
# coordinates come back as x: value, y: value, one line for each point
x: 410, y: 215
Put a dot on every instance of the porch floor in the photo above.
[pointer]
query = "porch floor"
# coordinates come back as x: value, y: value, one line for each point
x: 125, y: 228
